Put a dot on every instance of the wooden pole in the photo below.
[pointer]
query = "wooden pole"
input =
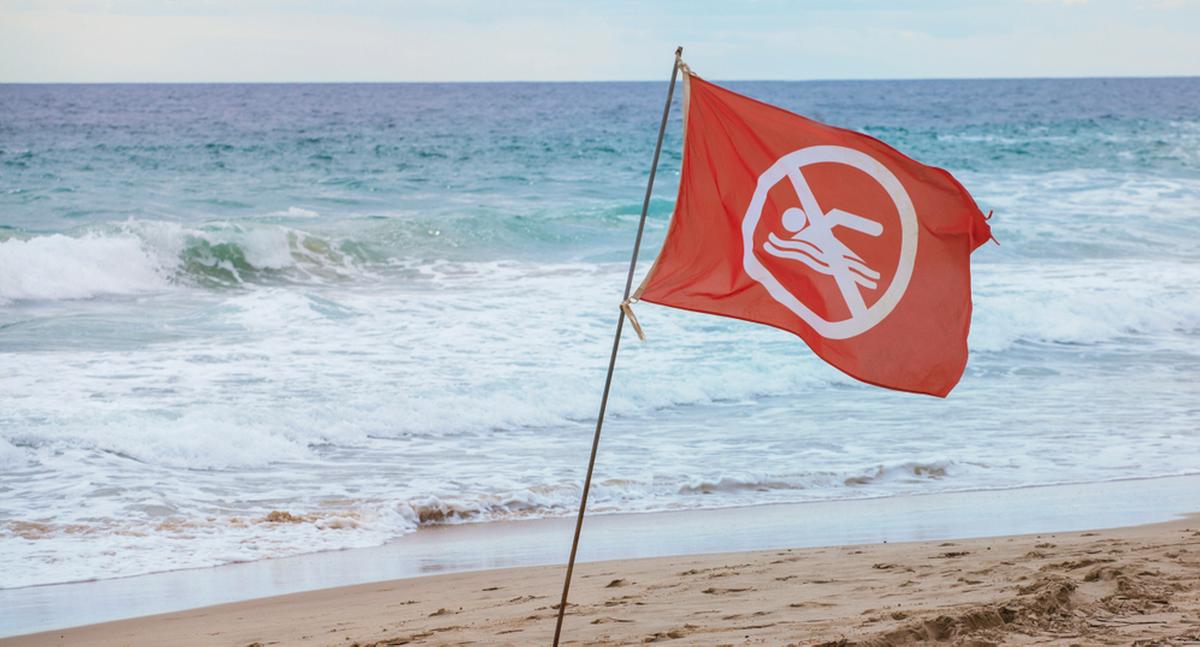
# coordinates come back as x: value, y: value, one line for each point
x: 612, y: 360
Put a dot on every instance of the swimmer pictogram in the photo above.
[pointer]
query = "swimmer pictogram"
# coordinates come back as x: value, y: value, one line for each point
x: 813, y: 239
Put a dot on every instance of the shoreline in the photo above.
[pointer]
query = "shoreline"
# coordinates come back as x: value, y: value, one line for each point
x: 591, y: 515
x: 482, y: 548
x: 1102, y: 586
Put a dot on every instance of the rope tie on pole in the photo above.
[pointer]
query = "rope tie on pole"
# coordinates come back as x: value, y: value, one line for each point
x: 627, y: 308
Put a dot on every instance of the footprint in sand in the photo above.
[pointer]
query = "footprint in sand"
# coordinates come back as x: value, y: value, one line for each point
x: 608, y: 619
x: 672, y: 634
x: 805, y: 605
x: 717, y: 591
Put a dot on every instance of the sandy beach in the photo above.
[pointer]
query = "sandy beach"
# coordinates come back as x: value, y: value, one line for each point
x: 1134, y: 585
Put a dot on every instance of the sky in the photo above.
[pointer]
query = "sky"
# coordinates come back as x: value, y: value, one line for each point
x: 478, y: 40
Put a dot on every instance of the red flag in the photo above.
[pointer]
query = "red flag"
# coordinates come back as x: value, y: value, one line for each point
x: 824, y: 232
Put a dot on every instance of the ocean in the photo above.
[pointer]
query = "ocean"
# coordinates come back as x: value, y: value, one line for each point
x: 240, y: 322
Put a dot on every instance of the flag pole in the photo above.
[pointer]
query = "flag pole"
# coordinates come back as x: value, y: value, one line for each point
x: 612, y: 360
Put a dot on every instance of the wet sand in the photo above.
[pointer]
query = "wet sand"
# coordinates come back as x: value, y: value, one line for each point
x: 1117, y: 586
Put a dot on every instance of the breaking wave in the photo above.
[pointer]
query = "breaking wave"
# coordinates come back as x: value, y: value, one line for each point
x: 1064, y: 302
x: 141, y: 256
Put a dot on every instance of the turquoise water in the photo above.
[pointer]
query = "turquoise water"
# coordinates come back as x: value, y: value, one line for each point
x: 378, y: 307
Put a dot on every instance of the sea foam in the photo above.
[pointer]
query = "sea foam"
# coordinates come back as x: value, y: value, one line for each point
x: 66, y: 267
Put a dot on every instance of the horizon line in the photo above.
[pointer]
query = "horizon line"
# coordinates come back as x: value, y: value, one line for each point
x: 577, y: 81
